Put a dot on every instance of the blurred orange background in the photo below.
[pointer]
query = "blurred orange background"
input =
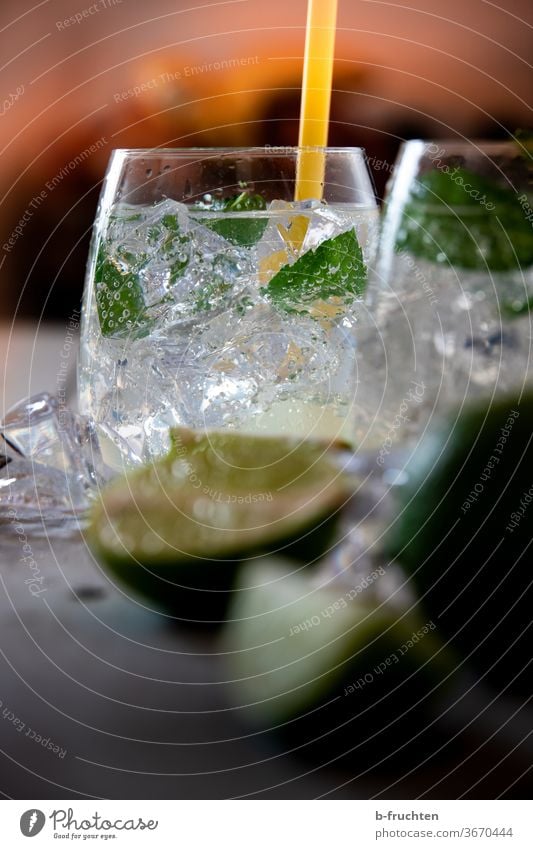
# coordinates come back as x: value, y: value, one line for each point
x: 80, y: 79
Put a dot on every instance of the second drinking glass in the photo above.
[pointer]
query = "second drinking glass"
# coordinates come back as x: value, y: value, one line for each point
x: 450, y: 294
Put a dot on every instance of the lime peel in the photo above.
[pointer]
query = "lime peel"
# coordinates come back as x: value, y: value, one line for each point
x: 215, y: 497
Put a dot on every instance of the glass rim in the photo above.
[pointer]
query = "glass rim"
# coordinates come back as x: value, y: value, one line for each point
x: 446, y: 145
x: 254, y: 150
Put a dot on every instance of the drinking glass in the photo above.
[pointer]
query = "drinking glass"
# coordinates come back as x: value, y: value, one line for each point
x: 215, y: 301
x: 450, y: 293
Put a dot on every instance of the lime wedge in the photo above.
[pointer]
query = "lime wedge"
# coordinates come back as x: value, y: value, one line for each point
x: 463, y: 532
x: 312, y: 657
x: 183, y: 522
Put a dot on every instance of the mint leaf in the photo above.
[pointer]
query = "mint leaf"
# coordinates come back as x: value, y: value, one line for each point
x: 243, y: 202
x: 466, y: 220
x: 334, y: 269
x: 121, y: 305
x: 117, y: 315
x: 239, y: 231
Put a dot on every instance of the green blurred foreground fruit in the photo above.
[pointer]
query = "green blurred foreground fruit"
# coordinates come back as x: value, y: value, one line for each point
x: 464, y: 530
x: 332, y: 667
x: 176, y: 529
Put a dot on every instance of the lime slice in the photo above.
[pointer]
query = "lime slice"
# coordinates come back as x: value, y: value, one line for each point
x: 183, y: 522
x: 461, y: 218
x: 463, y: 533
x: 309, y: 658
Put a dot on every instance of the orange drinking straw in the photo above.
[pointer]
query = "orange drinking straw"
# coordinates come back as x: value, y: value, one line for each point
x: 316, y: 97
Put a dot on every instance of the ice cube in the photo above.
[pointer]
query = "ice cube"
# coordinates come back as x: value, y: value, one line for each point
x: 183, y: 267
x: 276, y: 350
x: 282, y: 241
x: 216, y: 274
x: 228, y: 400
x: 50, y: 457
x: 29, y: 490
x: 325, y: 222
x: 138, y: 229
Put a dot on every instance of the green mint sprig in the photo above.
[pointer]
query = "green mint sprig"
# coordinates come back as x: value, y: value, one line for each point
x: 120, y: 302
x: 336, y: 268
x: 466, y: 220
x: 239, y: 231
x: 119, y: 298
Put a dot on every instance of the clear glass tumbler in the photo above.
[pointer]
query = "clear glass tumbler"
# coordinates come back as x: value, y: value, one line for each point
x: 213, y: 300
x: 450, y: 294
